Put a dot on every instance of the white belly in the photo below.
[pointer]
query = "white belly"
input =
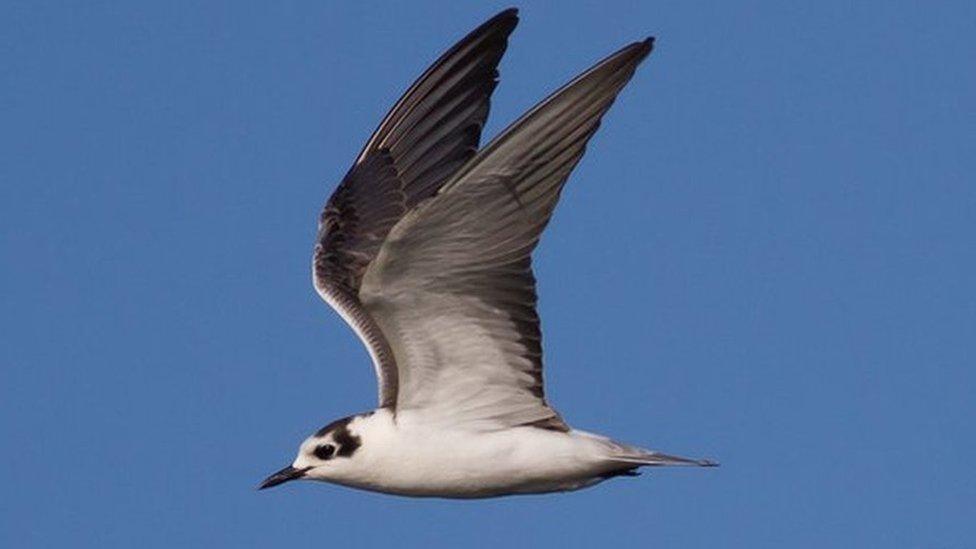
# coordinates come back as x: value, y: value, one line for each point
x: 461, y: 464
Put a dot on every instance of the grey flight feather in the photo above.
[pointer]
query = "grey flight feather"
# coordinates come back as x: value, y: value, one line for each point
x: 428, y: 135
x: 451, y: 287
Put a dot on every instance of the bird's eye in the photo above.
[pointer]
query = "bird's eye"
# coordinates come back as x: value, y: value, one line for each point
x: 324, y: 451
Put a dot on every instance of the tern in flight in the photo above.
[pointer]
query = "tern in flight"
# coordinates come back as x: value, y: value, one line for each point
x: 425, y: 250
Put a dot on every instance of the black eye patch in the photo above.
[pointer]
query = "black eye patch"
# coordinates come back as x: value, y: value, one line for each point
x: 324, y: 451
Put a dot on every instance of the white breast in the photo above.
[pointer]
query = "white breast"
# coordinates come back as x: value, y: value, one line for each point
x: 408, y: 459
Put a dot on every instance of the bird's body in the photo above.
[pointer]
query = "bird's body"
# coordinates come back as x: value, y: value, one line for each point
x: 404, y: 455
x: 425, y: 250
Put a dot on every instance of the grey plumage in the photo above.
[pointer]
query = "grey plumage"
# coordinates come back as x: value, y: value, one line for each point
x: 426, y: 246
x: 430, y: 132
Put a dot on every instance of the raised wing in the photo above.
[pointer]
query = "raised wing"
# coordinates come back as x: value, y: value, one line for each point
x: 452, y: 287
x: 430, y: 133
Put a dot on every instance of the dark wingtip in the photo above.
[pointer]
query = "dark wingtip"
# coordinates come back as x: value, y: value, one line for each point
x: 707, y: 463
x: 508, y: 12
x: 506, y: 18
x: 646, y: 46
x: 635, y: 52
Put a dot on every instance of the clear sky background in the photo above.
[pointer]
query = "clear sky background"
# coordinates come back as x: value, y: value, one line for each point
x: 766, y: 257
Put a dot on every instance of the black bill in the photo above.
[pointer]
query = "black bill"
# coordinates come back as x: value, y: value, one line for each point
x: 282, y: 476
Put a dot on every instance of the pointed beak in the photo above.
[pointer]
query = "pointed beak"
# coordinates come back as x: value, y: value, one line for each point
x: 283, y: 476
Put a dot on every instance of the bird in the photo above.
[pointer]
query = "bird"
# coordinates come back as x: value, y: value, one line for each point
x: 425, y: 250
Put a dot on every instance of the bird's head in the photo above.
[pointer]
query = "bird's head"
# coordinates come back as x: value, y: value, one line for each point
x: 329, y: 454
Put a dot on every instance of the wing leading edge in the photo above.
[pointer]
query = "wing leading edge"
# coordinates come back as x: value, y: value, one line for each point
x: 431, y: 132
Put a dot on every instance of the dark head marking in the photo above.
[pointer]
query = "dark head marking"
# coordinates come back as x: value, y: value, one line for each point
x: 333, y: 426
x: 348, y: 442
x: 324, y: 451
x: 339, y: 429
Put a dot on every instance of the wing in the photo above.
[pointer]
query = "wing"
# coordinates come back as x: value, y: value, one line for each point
x: 452, y: 287
x: 430, y: 133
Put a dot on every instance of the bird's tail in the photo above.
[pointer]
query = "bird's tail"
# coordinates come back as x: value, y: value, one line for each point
x: 657, y: 459
x: 625, y: 454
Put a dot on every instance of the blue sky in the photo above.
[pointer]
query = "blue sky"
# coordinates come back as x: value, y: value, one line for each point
x: 766, y: 257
